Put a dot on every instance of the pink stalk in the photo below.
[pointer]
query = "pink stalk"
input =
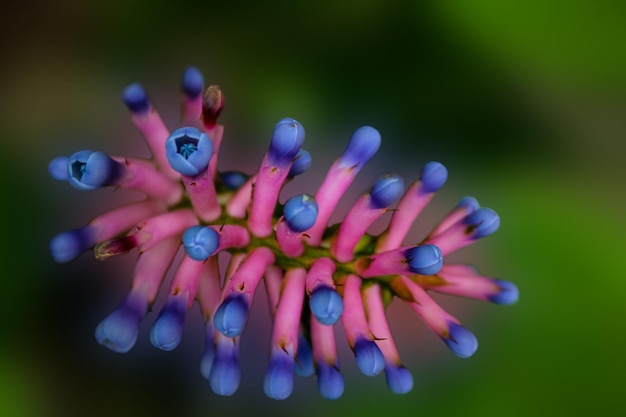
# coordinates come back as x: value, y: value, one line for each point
x: 237, y: 206
x: 216, y: 133
x: 155, y: 133
x: 320, y: 273
x: 353, y: 317
x: 141, y: 175
x: 385, y: 263
x: 209, y: 289
x: 269, y: 181
x: 337, y: 181
x: 114, y: 222
x: 452, y: 218
x: 377, y: 322
x: 151, y: 268
x: 201, y: 189
x: 247, y: 277
x: 452, y: 239
x: 323, y: 343
x: 187, y: 278
x: 231, y: 236
x: 408, y: 209
x: 290, y: 242
x: 471, y: 284
x: 273, y: 279
x: 161, y: 227
x: 192, y: 109
x: 287, y: 317
x: 355, y: 224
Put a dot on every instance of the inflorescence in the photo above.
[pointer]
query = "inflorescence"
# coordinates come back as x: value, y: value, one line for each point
x: 314, y: 274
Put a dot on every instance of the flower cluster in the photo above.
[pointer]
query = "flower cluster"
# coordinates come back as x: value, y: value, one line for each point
x: 314, y: 274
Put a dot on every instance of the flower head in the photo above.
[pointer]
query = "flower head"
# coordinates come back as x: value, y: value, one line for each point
x: 315, y: 274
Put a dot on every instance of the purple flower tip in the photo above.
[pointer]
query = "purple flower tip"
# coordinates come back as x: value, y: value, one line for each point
x: 233, y: 179
x: 433, y: 176
x: 200, y: 242
x: 301, y: 163
x: 300, y: 212
x: 225, y: 372
x: 424, y: 259
x: 461, y: 341
x: 231, y: 316
x: 286, y: 142
x: 168, y: 328
x: 192, y: 82
x: 119, y: 330
x: 508, y: 293
x: 188, y: 151
x: 363, y: 145
x: 206, y: 362
x: 136, y: 99
x: 88, y: 170
x: 66, y: 246
x: 326, y: 304
x: 278, y: 382
x: 368, y: 357
x: 304, y: 358
x: 398, y: 378
x: 483, y: 222
x: 469, y: 203
x: 57, y: 168
x: 329, y: 381
x: 387, y: 190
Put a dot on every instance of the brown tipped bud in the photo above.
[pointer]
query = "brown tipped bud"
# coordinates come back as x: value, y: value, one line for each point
x: 212, y: 105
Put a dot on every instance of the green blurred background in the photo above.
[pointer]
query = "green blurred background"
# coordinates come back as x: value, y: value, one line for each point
x: 525, y: 103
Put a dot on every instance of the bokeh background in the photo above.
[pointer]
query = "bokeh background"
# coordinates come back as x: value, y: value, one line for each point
x: 524, y: 102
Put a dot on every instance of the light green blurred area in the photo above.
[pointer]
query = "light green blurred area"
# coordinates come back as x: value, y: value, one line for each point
x: 523, y: 101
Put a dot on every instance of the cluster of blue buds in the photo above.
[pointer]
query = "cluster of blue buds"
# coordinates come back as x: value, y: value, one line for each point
x: 315, y: 274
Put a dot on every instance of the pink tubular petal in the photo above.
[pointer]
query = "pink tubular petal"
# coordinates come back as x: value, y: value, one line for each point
x: 155, y: 133
x: 377, y: 322
x: 152, y: 266
x: 209, y: 289
x: 290, y: 242
x: 247, y: 277
x: 110, y: 224
x: 163, y: 226
x: 143, y: 176
x: 353, y: 318
x: 287, y: 317
x: 320, y: 273
x: 201, y: 189
x: 323, y: 343
x: 453, y: 281
x: 237, y: 206
x: 385, y: 263
x: 273, y: 279
x: 269, y: 181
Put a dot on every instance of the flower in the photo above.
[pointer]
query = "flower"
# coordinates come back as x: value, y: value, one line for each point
x: 315, y: 274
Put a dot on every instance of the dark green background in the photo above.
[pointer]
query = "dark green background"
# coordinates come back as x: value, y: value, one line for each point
x: 524, y: 103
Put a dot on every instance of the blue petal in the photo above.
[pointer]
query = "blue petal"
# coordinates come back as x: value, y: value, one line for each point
x: 368, y: 357
x: 484, y: 222
x: 225, y: 374
x: 508, y: 294
x: 206, y: 362
x: 470, y: 204
x: 301, y: 163
x: 363, y: 145
x: 387, y: 190
x: 231, y: 316
x: 57, y: 168
x: 192, y: 82
x: 326, y: 304
x: 188, y: 151
x: 286, y: 142
x: 433, y: 176
x: 233, y: 179
x: 66, y: 246
x: 136, y: 99
x: 329, y: 381
x: 300, y: 212
x: 119, y: 330
x: 461, y: 341
x: 200, y: 242
x: 424, y: 259
x: 278, y: 382
x: 167, y: 330
x: 88, y: 170
x: 399, y: 379
x: 304, y: 358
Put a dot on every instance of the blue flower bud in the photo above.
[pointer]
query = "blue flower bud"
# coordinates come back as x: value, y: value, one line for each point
x: 278, y: 382
x: 225, y: 374
x: 200, y: 242
x: 119, y: 330
x: 508, y: 293
x: 192, y: 82
x: 286, y: 142
x: 167, y: 330
x: 66, y: 246
x: 461, y: 341
x: 57, y: 168
x: 368, y: 357
x: 329, y: 381
x: 326, y: 304
x: 433, y: 176
x: 233, y: 179
x: 399, y: 379
x: 301, y: 163
x: 424, y: 259
x: 231, y: 316
x: 470, y: 204
x: 363, y: 145
x: 300, y: 212
x: 304, y: 358
x: 387, y: 190
x: 88, y: 170
x: 136, y: 99
x: 189, y: 151
x: 482, y: 222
